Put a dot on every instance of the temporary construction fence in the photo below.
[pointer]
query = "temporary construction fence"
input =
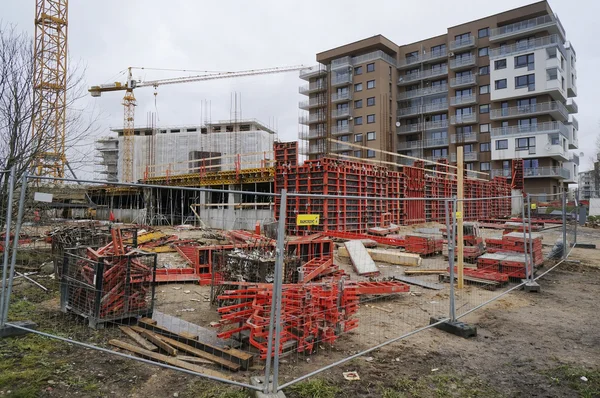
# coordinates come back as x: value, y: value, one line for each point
x: 300, y: 284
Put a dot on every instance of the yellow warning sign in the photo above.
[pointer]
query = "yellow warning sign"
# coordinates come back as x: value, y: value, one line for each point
x: 533, y: 206
x: 307, y: 219
x: 458, y: 215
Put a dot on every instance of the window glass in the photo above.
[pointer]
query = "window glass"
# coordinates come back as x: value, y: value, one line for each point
x: 370, y: 84
x: 484, y: 166
x: 484, y: 147
x: 370, y: 136
x: 358, y: 70
x: 357, y: 104
x: 484, y: 89
x: 484, y: 128
x: 485, y: 32
x: 358, y: 121
x: 370, y: 153
x: 525, y: 81
x: 500, y: 84
x: 502, y: 144
x: 484, y: 108
x: 370, y: 101
x: 484, y: 70
x: 500, y: 64
x: 527, y: 60
x: 358, y: 138
x: 370, y: 119
x: 358, y: 87
x: 483, y: 51
x: 370, y: 67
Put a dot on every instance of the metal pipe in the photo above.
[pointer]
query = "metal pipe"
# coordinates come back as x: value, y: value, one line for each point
x: 11, y: 187
x: 278, y: 287
x: 525, y: 238
x: 451, y: 228
x: 530, y: 238
x: 15, y: 245
x: 564, y: 220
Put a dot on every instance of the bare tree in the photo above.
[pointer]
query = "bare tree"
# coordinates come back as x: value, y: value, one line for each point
x: 18, y: 147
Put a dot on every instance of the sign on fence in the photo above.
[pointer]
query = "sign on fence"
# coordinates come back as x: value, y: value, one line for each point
x: 307, y: 219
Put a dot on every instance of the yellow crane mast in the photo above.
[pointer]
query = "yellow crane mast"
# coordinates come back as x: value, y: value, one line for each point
x: 129, y: 101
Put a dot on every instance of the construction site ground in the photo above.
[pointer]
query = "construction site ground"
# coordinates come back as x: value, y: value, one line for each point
x: 527, y: 344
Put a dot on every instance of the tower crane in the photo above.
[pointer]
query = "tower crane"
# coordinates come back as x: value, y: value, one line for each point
x: 129, y: 101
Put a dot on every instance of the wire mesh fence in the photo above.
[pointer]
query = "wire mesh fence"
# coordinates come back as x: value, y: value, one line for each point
x: 233, y: 283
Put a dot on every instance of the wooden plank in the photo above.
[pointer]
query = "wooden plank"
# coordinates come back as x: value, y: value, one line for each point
x: 138, y: 339
x: 149, y: 321
x: 239, y: 357
x: 202, y: 354
x: 418, y: 282
x: 166, y: 359
x: 156, y: 340
x: 379, y: 308
x: 190, y: 336
x: 484, y: 282
x: 386, y: 256
x: 194, y: 359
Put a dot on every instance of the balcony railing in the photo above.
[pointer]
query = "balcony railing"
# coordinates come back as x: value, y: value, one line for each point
x: 468, y: 156
x: 467, y: 80
x: 462, y: 62
x: 338, y: 80
x: 435, y: 107
x: 440, y: 89
x: 573, y: 120
x: 573, y: 157
x: 340, y: 113
x: 312, y: 87
x: 462, y: 43
x: 313, y: 71
x: 429, y: 56
x: 572, y: 106
x: 315, y: 149
x: 527, y: 26
x: 420, y: 75
x: 463, y: 100
x: 312, y: 134
x: 539, y: 128
x: 343, y: 62
x: 435, y: 125
x: 314, y: 118
x: 340, y: 146
x: 465, y: 137
x: 540, y: 172
x: 501, y: 173
x: 464, y: 118
x: 337, y: 130
x: 409, y: 128
x: 312, y: 103
x: 408, y: 145
x: 528, y: 45
x: 435, y: 142
x: 340, y: 97
x: 413, y: 110
x: 530, y: 110
x: 435, y: 158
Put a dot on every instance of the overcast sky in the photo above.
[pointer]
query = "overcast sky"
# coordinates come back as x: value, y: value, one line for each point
x: 109, y: 35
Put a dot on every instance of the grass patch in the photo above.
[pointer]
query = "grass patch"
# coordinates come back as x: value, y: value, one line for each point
x: 313, y: 388
x: 208, y: 389
x: 570, y: 376
x: 441, y: 386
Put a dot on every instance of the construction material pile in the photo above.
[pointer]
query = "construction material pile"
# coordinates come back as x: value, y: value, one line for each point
x: 111, y: 283
x: 423, y: 244
x: 507, y: 255
x: 317, y: 310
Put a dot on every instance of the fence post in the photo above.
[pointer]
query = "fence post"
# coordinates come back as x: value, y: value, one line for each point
x: 451, y: 235
x: 11, y: 187
x: 278, y: 287
x: 564, y: 222
x: 531, y: 258
x: 274, y: 307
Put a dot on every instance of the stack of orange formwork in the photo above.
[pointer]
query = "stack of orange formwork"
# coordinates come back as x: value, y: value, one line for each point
x: 507, y: 255
x: 423, y: 244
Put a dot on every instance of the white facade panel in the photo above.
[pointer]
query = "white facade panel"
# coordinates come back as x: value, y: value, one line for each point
x: 543, y: 148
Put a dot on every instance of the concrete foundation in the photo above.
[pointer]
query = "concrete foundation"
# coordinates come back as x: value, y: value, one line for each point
x: 457, y: 328
x: 531, y: 287
x: 260, y: 382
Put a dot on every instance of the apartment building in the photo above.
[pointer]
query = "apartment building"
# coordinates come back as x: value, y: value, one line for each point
x: 501, y: 86
x: 589, y: 182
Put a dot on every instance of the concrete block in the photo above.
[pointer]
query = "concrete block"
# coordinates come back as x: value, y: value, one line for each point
x: 390, y: 257
x: 457, y: 328
x: 532, y: 287
x: 10, y: 331
x: 360, y: 258
x: 260, y: 382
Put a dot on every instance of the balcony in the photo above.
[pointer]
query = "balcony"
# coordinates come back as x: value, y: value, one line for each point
x: 409, y: 128
x: 554, y: 108
x: 468, y: 118
x: 315, y: 149
x: 573, y: 120
x: 436, y: 125
x: 340, y: 113
x: 411, y: 111
x: 435, y: 107
x: 435, y: 158
x: 344, y: 62
x: 312, y: 88
x: 337, y: 130
x: 340, y: 146
x: 572, y: 106
x: 312, y: 103
x: 463, y: 81
x: 435, y: 142
x: 340, y: 97
x: 545, y: 172
x: 421, y: 75
x: 462, y: 44
x: 341, y: 79
x: 571, y: 89
x: 501, y: 173
x: 574, y: 158
x: 527, y: 46
x: 463, y: 100
x: 539, y: 128
x: 409, y: 145
x: 314, y: 118
x: 556, y: 152
x: 313, y: 71
x: 468, y: 157
x: 312, y: 134
x: 422, y: 58
x: 525, y: 28
x: 439, y: 89
x: 463, y: 138
x: 463, y: 62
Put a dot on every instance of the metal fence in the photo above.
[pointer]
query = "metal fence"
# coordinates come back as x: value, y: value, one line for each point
x: 329, y: 277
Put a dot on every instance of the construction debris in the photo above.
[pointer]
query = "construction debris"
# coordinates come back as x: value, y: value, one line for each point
x: 390, y: 257
x: 360, y: 258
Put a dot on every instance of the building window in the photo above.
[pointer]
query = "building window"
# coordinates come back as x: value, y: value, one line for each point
x: 484, y: 51
x: 358, y: 70
x: 358, y: 138
x: 525, y: 144
x: 370, y: 84
x: 371, y: 101
x: 484, y: 128
x: 358, y: 87
x: 484, y: 89
x: 438, y: 50
x: 371, y: 136
x: 358, y: 120
x: 357, y: 104
x: 500, y: 84
x: 440, y: 153
x: 484, y: 147
x: 371, y: 67
x: 527, y: 60
x: 370, y: 119
x: 484, y: 108
x: 525, y: 81
x: 552, y: 74
x: 463, y: 38
x: 484, y: 166
x: 500, y: 64
x: 485, y: 32
x: 344, y: 138
x: 502, y: 144
x: 370, y: 153
x: 484, y: 70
